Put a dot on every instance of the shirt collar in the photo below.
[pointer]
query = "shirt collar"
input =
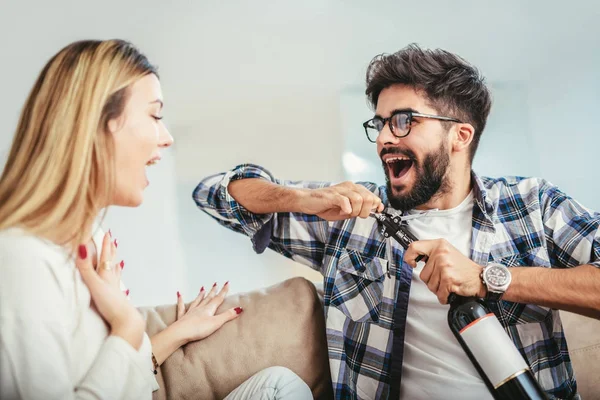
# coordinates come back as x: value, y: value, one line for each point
x: 480, y: 195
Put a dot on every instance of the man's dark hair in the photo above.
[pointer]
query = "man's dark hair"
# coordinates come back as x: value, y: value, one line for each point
x: 452, y: 86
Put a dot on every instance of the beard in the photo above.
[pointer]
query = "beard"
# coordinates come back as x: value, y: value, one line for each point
x: 430, y: 179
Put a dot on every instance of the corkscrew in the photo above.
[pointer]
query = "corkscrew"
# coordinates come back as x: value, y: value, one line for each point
x: 392, y: 225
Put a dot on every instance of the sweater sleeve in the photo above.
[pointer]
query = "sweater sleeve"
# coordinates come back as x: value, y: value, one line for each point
x: 35, y: 324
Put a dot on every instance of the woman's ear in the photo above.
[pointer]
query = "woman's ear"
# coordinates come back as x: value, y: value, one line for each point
x: 463, y: 137
x: 113, y: 125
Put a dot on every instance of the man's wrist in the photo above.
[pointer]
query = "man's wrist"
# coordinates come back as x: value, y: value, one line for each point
x: 497, y: 279
x: 482, y: 293
x: 294, y: 199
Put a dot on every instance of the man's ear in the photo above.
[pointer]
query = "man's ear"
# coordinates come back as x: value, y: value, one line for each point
x: 463, y: 137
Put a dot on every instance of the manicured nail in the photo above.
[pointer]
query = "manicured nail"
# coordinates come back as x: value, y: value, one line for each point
x: 109, y: 233
x: 215, y: 284
x: 127, y: 292
x: 202, y: 289
x: 82, y: 252
x: 238, y: 310
x: 122, y: 264
x: 226, y: 283
x: 116, y: 243
x: 178, y: 294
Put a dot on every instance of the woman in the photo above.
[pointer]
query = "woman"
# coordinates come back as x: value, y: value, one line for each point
x: 89, y: 128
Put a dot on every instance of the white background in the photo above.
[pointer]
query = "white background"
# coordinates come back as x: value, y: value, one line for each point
x: 279, y: 83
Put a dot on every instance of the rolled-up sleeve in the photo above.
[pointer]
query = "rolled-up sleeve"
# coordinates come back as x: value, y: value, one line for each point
x: 572, y: 231
x: 297, y: 236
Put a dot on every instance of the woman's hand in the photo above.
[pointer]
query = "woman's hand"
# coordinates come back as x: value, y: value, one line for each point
x: 199, y: 320
x: 110, y: 302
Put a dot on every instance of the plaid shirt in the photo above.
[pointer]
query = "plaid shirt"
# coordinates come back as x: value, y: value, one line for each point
x: 516, y: 222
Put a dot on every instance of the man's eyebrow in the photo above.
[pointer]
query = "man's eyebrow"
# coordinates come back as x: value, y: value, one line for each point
x: 399, y: 110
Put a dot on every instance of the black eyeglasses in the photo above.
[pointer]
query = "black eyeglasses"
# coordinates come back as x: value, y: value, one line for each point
x: 400, y: 123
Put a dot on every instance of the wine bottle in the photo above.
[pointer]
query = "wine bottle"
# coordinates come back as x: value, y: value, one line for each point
x: 491, y: 350
x: 480, y: 334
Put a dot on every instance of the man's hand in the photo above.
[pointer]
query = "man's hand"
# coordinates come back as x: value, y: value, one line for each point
x: 447, y: 270
x: 341, y: 201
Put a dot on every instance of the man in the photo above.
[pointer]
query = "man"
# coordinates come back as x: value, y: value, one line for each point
x: 386, y: 317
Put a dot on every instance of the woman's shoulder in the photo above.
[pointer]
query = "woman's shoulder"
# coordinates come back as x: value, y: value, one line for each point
x: 24, y: 248
x: 32, y: 270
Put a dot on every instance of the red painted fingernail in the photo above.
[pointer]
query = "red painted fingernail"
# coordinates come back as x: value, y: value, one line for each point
x: 226, y: 283
x: 238, y: 310
x: 109, y: 233
x: 127, y: 292
x: 82, y: 252
x: 202, y: 289
x: 215, y: 284
x: 122, y: 264
x: 178, y: 294
x: 116, y: 243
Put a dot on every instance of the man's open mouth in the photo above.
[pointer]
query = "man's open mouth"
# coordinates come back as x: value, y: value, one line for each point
x: 398, y: 166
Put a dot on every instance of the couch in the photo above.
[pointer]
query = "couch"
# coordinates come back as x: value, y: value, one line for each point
x: 284, y: 325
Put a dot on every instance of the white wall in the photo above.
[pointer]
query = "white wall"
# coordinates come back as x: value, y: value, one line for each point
x: 263, y: 81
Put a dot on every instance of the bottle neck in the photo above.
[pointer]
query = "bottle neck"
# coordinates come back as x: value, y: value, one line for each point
x: 456, y: 300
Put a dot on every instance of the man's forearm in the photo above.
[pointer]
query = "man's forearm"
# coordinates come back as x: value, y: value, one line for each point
x: 573, y: 289
x: 263, y: 197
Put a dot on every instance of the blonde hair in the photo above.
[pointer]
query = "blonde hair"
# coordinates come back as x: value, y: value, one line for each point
x: 60, y: 169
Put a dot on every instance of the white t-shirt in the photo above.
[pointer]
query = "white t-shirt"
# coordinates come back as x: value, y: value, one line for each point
x: 52, y: 344
x: 435, y: 366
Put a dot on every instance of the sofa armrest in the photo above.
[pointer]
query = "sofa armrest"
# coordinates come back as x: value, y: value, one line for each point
x: 282, y: 325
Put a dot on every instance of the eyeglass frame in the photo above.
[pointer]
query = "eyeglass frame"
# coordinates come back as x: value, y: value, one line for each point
x: 411, y: 114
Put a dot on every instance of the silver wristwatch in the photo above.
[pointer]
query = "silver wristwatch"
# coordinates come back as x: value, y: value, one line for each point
x: 496, y: 278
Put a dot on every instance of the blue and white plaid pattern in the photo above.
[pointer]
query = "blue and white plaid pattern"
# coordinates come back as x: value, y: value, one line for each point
x: 516, y: 221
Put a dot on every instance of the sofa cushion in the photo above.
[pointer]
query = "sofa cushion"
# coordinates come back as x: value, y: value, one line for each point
x: 583, y: 339
x: 281, y: 325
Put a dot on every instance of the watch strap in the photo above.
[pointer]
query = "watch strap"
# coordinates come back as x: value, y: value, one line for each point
x: 493, y: 296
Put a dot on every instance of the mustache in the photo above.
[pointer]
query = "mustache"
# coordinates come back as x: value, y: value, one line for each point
x: 397, y: 151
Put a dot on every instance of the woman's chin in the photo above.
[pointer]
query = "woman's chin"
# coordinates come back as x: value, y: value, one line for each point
x: 131, y: 200
x: 136, y: 201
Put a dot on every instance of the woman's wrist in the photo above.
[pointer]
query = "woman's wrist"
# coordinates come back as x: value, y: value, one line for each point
x: 131, y: 331
x: 178, y: 333
x: 167, y: 341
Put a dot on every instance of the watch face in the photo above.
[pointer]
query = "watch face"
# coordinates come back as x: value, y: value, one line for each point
x: 497, y: 276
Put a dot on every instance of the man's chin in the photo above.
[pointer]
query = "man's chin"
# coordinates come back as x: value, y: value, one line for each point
x: 398, y: 190
x: 397, y: 194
